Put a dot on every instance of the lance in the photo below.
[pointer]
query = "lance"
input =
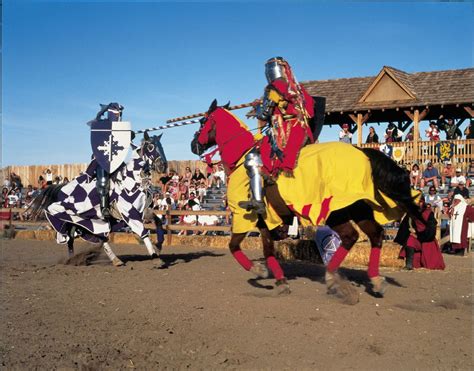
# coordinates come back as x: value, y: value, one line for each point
x: 239, y: 106
x: 189, y: 122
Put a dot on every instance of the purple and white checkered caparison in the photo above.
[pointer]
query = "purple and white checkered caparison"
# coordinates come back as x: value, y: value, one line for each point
x: 79, y: 203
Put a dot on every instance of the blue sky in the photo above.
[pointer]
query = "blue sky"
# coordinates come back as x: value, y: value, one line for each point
x: 166, y: 59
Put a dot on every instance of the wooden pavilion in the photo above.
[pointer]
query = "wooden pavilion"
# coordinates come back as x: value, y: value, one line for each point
x: 404, y: 99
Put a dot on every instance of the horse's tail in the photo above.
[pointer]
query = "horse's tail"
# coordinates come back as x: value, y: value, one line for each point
x: 44, y: 199
x: 392, y: 180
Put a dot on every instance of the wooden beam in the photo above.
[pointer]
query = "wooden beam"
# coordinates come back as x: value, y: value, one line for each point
x: 359, y: 129
x: 469, y: 110
x: 409, y: 114
x: 423, y: 114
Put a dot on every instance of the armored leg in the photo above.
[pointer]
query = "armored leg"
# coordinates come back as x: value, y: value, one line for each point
x: 103, y: 189
x: 253, y: 164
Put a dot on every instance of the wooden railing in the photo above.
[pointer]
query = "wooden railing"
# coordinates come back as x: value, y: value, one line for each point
x: 463, y: 151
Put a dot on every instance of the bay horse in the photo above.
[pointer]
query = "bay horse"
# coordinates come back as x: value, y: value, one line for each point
x: 333, y: 184
x: 73, y: 209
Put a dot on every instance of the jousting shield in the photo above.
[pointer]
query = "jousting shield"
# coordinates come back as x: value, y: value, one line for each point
x: 110, y: 142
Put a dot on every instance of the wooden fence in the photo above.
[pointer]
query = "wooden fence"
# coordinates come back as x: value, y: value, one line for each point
x: 463, y: 151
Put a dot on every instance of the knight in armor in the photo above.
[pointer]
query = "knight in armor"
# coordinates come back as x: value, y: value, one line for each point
x: 285, y: 113
x: 109, y: 113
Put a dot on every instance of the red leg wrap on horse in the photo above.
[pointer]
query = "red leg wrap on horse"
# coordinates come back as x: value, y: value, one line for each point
x: 374, y: 261
x: 242, y: 259
x: 275, y: 267
x: 337, y: 259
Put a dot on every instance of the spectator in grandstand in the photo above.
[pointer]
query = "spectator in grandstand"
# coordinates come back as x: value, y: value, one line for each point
x: 165, y: 179
x: 188, y: 174
x: 41, y: 182
x: 198, y: 175
x: 458, y: 178
x: 447, y: 174
x: 218, y: 176
x: 48, y: 176
x: 372, y: 137
x: 183, y: 188
x: 183, y: 200
x: 65, y: 180
x: 201, y: 189
x: 430, y: 175
x: 15, y: 181
x: 415, y: 176
x: 469, y: 131
x: 461, y: 190
x: 345, y: 134
x: 470, y: 174
x: 433, y: 199
x: 13, y: 199
x: 5, y: 192
x: 452, y: 130
x: 411, y: 135
x: 189, y: 220
x: 393, y: 134
x: 432, y: 133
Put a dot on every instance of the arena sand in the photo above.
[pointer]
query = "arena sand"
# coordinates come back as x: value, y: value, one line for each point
x: 202, y: 311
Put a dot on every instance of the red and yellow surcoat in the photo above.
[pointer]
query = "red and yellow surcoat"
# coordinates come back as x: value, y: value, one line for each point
x: 289, y: 124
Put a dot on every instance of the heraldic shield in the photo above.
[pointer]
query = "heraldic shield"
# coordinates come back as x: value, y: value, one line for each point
x: 110, y: 142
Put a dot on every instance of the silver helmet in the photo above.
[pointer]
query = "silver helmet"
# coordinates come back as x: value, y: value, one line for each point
x: 274, y: 69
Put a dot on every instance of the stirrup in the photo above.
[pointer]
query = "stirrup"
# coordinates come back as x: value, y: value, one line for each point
x: 257, y: 206
x: 106, y: 213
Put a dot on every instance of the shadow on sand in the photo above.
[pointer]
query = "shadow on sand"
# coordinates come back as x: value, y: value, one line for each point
x: 171, y: 259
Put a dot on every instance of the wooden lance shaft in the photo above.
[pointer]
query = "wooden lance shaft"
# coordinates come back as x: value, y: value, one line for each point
x: 239, y: 106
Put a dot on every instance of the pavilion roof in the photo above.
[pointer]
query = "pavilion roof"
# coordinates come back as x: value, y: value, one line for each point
x: 411, y: 89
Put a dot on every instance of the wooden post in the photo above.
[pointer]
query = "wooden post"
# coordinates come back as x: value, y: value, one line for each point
x: 168, y: 230
x: 416, y: 134
x: 359, y: 129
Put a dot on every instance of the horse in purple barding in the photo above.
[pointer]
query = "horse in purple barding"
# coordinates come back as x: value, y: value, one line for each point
x: 73, y: 209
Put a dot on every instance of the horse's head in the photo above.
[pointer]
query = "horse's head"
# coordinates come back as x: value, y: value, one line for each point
x: 205, y: 137
x: 152, y: 152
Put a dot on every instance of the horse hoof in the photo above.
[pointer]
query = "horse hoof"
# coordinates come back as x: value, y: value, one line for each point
x: 260, y: 270
x: 283, y: 288
x: 117, y: 262
x: 341, y: 288
x: 154, y: 256
x: 379, y: 285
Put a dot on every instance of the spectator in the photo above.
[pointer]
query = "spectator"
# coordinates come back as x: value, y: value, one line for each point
x: 189, y: 220
x: 411, y: 135
x: 201, y: 189
x: 452, y: 130
x: 5, y: 192
x: 188, y: 174
x: 41, y: 182
x: 393, y: 134
x: 432, y: 133
x: 13, y: 200
x: 218, y: 177
x: 372, y: 137
x: 469, y: 131
x: 470, y: 174
x: 430, y: 175
x: 415, y: 176
x: 419, y: 245
x: 345, y: 135
x: 165, y: 179
x: 447, y: 175
x: 198, y: 175
x: 183, y: 188
x: 57, y: 180
x: 458, y: 178
x: 433, y: 199
x: 461, y: 190
x: 48, y: 177
x: 183, y: 200
x: 65, y: 180
x: 461, y: 215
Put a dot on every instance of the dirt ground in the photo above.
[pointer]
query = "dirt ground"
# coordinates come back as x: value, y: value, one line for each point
x: 202, y: 311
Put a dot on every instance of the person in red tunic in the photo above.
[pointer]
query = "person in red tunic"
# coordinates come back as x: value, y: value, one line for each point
x: 419, y: 245
x: 287, y: 110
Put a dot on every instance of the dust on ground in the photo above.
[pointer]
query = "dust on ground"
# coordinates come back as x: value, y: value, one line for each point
x: 202, y: 311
